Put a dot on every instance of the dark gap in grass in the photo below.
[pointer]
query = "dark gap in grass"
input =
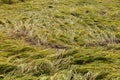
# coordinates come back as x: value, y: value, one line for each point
x: 90, y: 59
x: 5, y: 68
x: 75, y: 14
x: 50, y: 6
x: 101, y: 76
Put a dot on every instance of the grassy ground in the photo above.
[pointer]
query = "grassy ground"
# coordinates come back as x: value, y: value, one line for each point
x: 60, y: 40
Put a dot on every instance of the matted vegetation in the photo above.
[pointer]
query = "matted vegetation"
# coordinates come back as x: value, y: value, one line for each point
x: 60, y: 40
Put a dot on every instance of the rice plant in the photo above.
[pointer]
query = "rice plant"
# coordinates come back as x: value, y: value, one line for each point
x: 59, y: 40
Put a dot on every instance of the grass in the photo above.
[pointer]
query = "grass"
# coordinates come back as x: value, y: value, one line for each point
x: 60, y: 40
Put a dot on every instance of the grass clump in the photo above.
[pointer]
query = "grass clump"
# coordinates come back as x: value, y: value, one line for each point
x: 42, y: 67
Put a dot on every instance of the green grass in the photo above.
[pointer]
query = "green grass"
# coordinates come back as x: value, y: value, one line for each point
x: 60, y: 40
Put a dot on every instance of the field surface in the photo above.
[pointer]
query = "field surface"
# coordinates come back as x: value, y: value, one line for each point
x: 60, y: 40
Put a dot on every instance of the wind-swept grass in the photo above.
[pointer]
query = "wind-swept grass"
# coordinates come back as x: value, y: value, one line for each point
x: 60, y: 40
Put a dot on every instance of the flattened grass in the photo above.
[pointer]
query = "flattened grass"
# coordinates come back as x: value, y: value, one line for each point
x: 60, y: 40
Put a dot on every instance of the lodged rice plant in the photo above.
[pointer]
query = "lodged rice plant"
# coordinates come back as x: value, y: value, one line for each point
x: 60, y: 40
